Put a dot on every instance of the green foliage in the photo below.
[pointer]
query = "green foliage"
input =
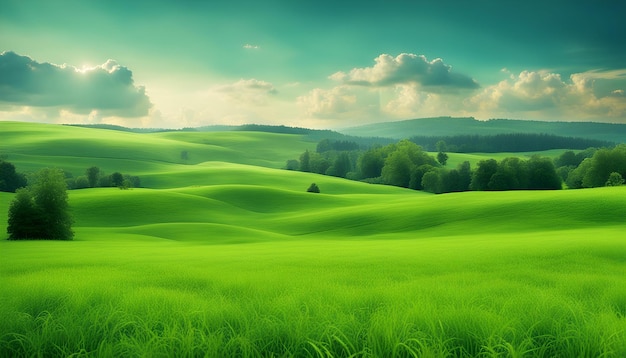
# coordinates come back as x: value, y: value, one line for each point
x: 615, y: 179
x: 117, y: 179
x: 24, y: 217
x: 93, y: 176
x: 405, y: 157
x: 42, y: 212
x: 292, y: 164
x: 483, y: 173
x: 432, y: 182
x: 10, y: 180
x: 515, y: 174
x: 81, y: 182
x: 371, y: 163
x: 313, y: 188
x: 442, y: 158
x: 305, y: 161
x: 595, y: 171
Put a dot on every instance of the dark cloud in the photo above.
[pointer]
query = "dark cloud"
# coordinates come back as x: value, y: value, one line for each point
x: 108, y: 88
x: 406, y: 69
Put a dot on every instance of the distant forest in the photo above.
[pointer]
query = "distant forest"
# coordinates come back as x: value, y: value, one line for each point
x: 408, y: 165
x: 513, y: 142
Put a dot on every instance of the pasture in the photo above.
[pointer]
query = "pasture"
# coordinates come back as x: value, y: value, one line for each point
x: 225, y: 254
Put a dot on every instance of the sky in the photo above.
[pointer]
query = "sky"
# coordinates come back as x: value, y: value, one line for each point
x: 317, y: 64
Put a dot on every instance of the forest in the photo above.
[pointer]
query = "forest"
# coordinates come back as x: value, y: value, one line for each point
x: 406, y: 164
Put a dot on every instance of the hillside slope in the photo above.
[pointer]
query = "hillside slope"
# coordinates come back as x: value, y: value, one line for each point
x: 219, y: 198
x: 448, y: 126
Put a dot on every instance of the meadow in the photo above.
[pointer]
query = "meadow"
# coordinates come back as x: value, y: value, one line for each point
x: 225, y: 254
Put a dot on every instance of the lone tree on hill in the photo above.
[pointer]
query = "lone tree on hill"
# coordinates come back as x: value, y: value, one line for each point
x: 313, y: 188
x: 41, y: 211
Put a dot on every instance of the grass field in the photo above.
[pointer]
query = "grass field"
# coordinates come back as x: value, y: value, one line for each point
x: 226, y: 255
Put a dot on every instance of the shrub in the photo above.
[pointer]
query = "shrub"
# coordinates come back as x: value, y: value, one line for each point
x: 313, y: 188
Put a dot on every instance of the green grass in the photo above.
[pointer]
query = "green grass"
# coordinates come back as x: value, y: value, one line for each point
x: 229, y: 256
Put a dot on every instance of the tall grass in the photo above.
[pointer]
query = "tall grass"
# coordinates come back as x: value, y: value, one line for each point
x: 525, y: 295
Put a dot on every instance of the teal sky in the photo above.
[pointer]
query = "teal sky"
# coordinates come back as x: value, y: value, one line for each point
x: 310, y: 63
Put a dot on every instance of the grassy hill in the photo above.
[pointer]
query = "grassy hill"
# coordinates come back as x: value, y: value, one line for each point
x: 448, y: 126
x: 225, y: 254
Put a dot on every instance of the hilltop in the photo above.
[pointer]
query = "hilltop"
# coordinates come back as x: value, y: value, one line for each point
x: 450, y: 126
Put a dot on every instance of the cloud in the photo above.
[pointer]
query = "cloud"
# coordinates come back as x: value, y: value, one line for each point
x: 251, y: 47
x: 108, y: 89
x: 340, y: 102
x: 547, y: 94
x: 250, y: 91
x: 407, y: 68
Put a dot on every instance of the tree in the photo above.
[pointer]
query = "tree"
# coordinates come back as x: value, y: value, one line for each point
x: 305, y: 161
x: 10, y: 180
x: 313, y: 188
x: 542, y: 174
x: 483, y: 173
x: 615, y: 179
x: 93, y: 176
x: 42, y: 211
x: 371, y: 163
x: 117, y: 179
x: 442, y: 158
x: 431, y: 182
x: 25, y: 221
x: 341, y: 167
x: 292, y: 164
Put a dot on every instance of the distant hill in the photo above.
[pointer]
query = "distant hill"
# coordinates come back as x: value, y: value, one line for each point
x: 449, y: 126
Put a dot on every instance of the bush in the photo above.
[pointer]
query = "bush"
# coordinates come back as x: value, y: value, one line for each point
x: 41, y: 211
x: 615, y: 179
x: 313, y: 188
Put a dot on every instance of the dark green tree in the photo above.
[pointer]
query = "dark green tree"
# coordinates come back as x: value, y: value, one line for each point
x: 542, y: 174
x: 292, y: 164
x: 442, y: 158
x: 10, y: 180
x: 24, y: 218
x: 371, y: 163
x: 50, y: 195
x: 313, y: 188
x: 41, y: 211
x: 431, y: 182
x: 481, y: 177
x: 117, y: 179
x: 615, y: 179
x: 305, y: 161
x: 93, y: 176
x: 341, y: 166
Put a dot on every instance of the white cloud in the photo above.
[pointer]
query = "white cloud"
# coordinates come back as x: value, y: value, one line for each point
x: 546, y: 95
x: 251, y: 47
x: 108, y: 89
x: 341, y: 102
x: 250, y: 91
x: 406, y: 68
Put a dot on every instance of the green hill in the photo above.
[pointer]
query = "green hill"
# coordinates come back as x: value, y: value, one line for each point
x: 449, y: 126
x: 225, y: 254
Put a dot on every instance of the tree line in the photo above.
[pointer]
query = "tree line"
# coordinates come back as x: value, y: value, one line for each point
x: 40, y: 208
x: 593, y: 167
x: 408, y: 165
x: 512, y: 142
x: 94, y: 177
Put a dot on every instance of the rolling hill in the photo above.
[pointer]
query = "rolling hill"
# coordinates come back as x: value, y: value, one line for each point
x: 226, y: 254
x: 449, y: 126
